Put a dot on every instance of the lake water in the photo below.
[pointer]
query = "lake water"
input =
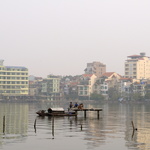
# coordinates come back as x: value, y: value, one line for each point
x: 112, y: 131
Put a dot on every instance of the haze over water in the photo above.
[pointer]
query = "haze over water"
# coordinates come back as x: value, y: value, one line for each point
x: 113, y: 130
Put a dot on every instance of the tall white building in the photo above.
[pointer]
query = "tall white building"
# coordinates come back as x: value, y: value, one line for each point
x: 137, y: 67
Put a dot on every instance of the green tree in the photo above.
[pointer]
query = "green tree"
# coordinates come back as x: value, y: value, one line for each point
x: 147, y: 90
x: 136, y: 96
x: 113, y: 94
x: 95, y: 96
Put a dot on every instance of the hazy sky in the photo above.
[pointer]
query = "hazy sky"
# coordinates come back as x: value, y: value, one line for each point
x: 61, y: 36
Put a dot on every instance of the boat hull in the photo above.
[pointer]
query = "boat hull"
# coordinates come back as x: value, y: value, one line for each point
x: 56, y: 114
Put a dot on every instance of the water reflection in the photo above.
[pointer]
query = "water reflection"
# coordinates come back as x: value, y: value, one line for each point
x: 15, y: 124
x: 112, y: 130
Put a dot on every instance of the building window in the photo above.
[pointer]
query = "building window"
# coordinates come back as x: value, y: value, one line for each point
x: 81, y: 93
x: 127, y: 65
x: 81, y: 88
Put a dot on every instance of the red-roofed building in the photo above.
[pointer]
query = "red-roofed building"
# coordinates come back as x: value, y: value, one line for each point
x: 110, y: 76
x: 106, y: 81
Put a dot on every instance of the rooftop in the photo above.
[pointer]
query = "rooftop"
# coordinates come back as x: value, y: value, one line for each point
x: 87, y: 75
x: 108, y: 74
x: 137, y: 56
x: 16, y: 67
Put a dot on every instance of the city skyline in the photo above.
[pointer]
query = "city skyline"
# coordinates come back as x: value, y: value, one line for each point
x: 61, y: 37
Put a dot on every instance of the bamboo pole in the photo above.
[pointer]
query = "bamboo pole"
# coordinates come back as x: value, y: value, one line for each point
x: 35, y: 125
x: 3, y: 124
x: 98, y: 114
x: 132, y: 125
x: 81, y: 127
x: 53, y: 126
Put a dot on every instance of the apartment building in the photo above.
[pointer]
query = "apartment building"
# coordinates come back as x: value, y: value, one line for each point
x: 106, y: 81
x: 51, y: 87
x: 139, y: 88
x: 35, y: 86
x: 137, y: 67
x: 13, y: 80
x: 101, y: 87
x: 85, y: 87
x: 96, y: 68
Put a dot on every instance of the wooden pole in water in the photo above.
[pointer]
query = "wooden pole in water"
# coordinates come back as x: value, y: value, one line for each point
x: 98, y: 114
x: 35, y: 125
x: 3, y: 124
x: 84, y: 113
x: 53, y: 126
x: 132, y: 125
x: 81, y: 127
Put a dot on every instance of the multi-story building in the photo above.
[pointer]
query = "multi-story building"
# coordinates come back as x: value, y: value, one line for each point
x: 112, y: 79
x: 51, y: 87
x: 101, y: 87
x: 35, y: 86
x: 106, y: 81
x: 96, y: 68
x: 137, y: 67
x: 139, y: 88
x: 13, y: 80
x: 85, y: 87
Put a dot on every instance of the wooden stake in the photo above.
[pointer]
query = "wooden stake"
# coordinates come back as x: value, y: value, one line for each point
x: 3, y: 124
x: 35, y: 125
x: 85, y: 113
x: 53, y: 126
x: 132, y: 125
x: 98, y: 114
x: 81, y: 127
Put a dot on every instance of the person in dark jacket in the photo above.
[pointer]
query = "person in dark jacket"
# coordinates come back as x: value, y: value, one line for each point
x: 76, y: 105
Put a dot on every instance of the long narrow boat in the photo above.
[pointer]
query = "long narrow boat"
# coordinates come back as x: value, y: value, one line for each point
x: 56, y: 112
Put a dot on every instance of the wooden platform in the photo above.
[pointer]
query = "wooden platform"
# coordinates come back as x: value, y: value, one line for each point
x: 89, y: 109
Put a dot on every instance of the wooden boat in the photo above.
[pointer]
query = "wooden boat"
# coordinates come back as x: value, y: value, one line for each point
x: 56, y: 112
